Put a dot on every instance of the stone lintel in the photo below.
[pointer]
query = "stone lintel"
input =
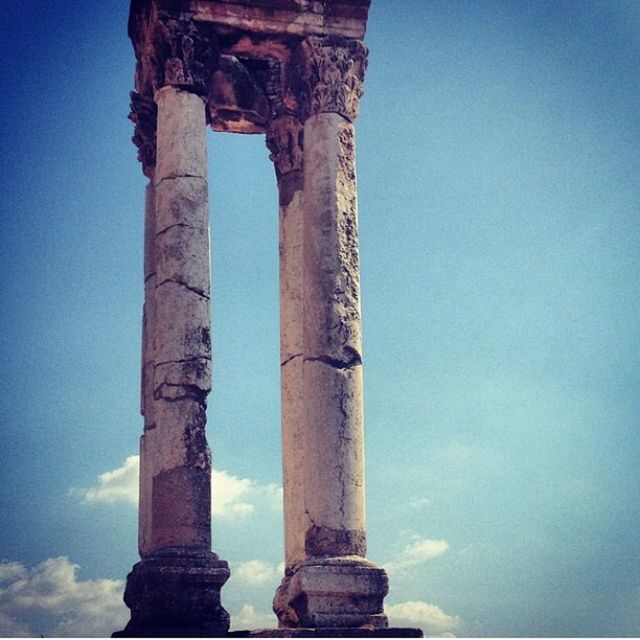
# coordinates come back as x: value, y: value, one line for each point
x: 293, y: 17
x: 299, y: 18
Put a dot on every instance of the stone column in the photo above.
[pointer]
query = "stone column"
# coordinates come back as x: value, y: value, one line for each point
x: 335, y: 586
x: 284, y: 140
x: 144, y: 115
x: 175, y: 588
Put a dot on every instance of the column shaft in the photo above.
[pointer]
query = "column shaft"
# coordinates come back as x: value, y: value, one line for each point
x: 181, y: 493
x: 332, y: 342
x: 148, y: 369
x: 284, y: 139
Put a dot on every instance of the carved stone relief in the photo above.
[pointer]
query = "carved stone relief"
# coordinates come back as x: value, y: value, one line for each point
x: 329, y: 75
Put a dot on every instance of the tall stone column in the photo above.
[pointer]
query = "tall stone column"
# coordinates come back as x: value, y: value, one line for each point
x: 144, y: 114
x: 335, y: 586
x: 284, y: 140
x: 175, y: 588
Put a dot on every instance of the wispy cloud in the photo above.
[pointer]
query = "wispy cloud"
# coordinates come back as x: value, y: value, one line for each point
x: 233, y: 497
x: 49, y: 600
x: 249, y: 618
x: 428, y: 617
x: 119, y: 485
x: 417, y: 552
x: 257, y: 572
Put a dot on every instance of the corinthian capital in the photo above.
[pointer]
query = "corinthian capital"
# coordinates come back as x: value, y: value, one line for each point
x: 328, y: 76
x: 284, y: 141
x: 144, y: 115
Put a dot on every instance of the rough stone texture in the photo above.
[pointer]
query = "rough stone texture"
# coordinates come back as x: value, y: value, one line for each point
x: 332, y: 338
x: 333, y: 592
x: 290, y: 17
x: 145, y: 529
x: 182, y: 256
x: 331, y: 262
x: 284, y: 141
x: 144, y: 114
x: 236, y: 102
x: 176, y: 593
x: 334, y: 432
x: 185, y: 335
x: 329, y: 75
x: 181, y: 118
x: 186, y: 522
x: 182, y: 201
x: 148, y: 311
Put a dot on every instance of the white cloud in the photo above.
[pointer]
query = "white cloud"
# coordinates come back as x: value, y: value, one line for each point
x: 417, y: 552
x: 428, y: 617
x: 11, y: 570
x: 49, y: 600
x: 119, y: 485
x: 249, y: 618
x: 12, y: 628
x: 232, y: 497
x: 257, y: 572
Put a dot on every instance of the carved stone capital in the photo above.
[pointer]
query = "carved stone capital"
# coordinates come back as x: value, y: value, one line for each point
x: 184, y: 55
x: 144, y: 115
x: 329, y: 74
x: 284, y: 141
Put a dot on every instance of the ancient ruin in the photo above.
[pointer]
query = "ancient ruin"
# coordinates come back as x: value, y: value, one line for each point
x: 294, y: 70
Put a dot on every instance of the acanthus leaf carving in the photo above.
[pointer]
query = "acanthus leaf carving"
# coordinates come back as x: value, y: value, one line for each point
x: 329, y: 75
x: 144, y: 115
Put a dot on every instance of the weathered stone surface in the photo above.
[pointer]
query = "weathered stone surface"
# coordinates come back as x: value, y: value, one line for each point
x: 182, y: 202
x: 181, y: 120
x: 291, y: 274
x: 145, y: 530
x: 182, y: 256
x: 333, y: 592
x: 236, y: 102
x: 187, y: 373
x: 144, y: 115
x: 176, y: 593
x: 331, y: 261
x: 334, y: 433
x: 285, y: 142
x: 181, y: 512
x: 179, y: 437
x: 184, y: 335
x: 329, y: 74
x: 286, y: 17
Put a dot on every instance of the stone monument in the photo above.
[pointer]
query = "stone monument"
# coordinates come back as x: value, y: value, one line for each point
x: 294, y: 70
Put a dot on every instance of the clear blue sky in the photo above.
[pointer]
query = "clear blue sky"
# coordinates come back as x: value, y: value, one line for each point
x: 498, y: 153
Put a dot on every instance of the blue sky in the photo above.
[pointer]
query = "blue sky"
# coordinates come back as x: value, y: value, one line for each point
x: 498, y: 153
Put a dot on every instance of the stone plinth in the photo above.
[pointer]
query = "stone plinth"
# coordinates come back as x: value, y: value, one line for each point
x: 333, y: 592
x: 176, y: 593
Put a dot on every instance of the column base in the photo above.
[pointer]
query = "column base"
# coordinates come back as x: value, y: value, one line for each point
x: 176, y: 593
x: 336, y: 592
